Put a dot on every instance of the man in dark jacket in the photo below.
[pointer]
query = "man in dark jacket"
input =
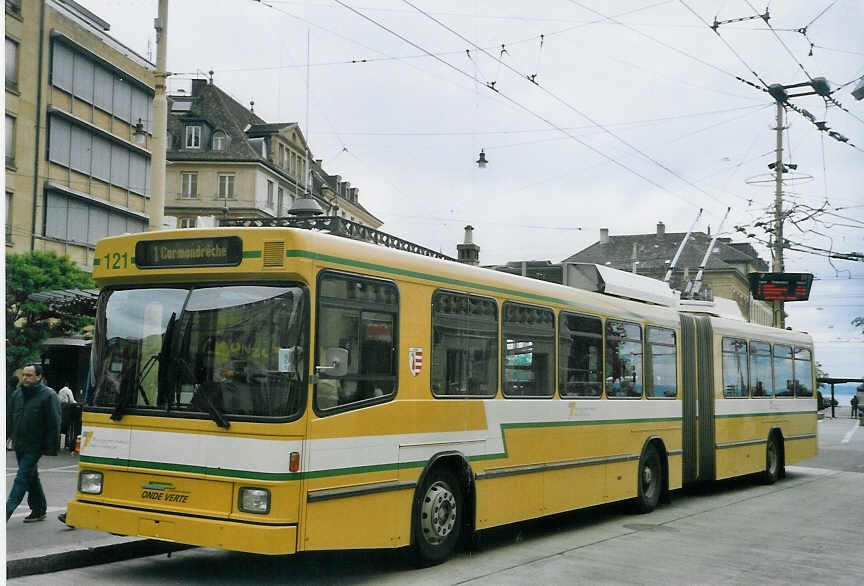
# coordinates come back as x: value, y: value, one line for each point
x: 34, y: 412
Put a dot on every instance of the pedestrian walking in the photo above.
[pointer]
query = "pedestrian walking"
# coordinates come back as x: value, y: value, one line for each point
x: 34, y: 412
x: 854, y: 403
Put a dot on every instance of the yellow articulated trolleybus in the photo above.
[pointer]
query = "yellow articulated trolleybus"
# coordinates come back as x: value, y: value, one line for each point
x: 276, y: 390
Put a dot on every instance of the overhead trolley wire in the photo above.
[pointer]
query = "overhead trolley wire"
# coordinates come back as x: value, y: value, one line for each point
x: 517, y: 104
x: 565, y: 103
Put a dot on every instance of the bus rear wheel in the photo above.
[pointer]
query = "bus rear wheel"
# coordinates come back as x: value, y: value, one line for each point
x: 438, y: 517
x: 650, y: 480
x: 772, y: 461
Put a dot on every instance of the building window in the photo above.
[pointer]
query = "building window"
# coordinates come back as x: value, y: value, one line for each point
x: 580, y: 356
x: 270, y: 201
x: 186, y: 222
x: 783, y: 377
x: 11, y: 63
x: 81, y: 222
x: 13, y: 7
x: 188, y: 185
x: 529, y: 351
x: 226, y: 185
x: 356, y: 342
x: 193, y: 137
x: 623, y: 359
x: 220, y: 141
x: 760, y: 369
x: 464, y: 359
x: 8, y: 217
x: 10, y: 141
x: 662, y: 364
x: 280, y: 203
x: 293, y: 164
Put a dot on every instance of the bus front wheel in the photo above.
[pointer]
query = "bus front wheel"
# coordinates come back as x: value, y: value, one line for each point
x: 438, y: 521
x: 650, y: 480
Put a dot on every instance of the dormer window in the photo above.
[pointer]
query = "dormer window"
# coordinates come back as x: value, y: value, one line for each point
x: 193, y: 137
x: 220, y: 141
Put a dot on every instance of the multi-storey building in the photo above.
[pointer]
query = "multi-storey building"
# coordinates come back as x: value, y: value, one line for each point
x: 78, y: 119
x: 225, y: 161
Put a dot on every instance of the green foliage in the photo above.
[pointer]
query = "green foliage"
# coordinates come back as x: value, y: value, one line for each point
x: 29, y: 322
x: 820, y: 373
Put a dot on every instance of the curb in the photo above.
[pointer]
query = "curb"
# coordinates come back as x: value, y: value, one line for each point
x: 80, y: 558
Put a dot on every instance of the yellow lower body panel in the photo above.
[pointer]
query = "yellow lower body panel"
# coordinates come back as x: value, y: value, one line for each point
x: 192, y: 531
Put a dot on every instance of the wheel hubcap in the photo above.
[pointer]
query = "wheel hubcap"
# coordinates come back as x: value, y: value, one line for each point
x: 438, y: 513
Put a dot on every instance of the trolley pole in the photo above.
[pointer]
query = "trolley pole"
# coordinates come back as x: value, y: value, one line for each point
x: 778, y: 309
x: 160, y: 122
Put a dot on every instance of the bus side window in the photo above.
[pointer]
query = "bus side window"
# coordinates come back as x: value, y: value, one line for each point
x: 580, y: 355
x: 528, y: 344
x: 803, y: 372
x: 783, y: 372
x: 623, y: 359
x: 760, y: 370
x: 735, y: 377
x: 464, y: 359
x: 662, y: 364
x: 356, y: 340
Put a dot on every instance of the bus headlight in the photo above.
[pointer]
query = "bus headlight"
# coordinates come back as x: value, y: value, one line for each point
x: 90, y: 482
x: 254, y: 500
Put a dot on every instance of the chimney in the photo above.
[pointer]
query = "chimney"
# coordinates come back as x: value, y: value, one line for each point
x: 468, y: 252
x: 661, y: 229
x: 604, y: 235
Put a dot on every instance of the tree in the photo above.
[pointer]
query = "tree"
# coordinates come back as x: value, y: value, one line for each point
x: 29, y: 322
x: 858, y: 322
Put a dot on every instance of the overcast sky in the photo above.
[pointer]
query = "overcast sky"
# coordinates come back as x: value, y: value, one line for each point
x: 635, y: 117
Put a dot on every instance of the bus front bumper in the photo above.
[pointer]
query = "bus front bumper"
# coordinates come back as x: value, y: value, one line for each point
x: 218, y: 533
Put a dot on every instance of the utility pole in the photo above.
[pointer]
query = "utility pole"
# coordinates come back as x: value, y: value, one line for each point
x: 160, y: 122
x: 778, y: 309
x: 817, y: 86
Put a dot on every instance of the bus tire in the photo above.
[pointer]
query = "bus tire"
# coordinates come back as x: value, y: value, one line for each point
x: 650, y: 480
x: 773, y: 459
x: 438, y: 517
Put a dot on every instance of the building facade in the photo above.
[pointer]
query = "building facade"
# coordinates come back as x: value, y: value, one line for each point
x: 226, y: 162
x: 725, y: 273
x: 76, y: 170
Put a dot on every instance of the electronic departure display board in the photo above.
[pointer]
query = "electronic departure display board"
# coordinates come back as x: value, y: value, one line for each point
x: 780, y: 286
x: 217, y: 251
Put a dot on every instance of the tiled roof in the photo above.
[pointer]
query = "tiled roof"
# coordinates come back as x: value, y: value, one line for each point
x: 655, y: 251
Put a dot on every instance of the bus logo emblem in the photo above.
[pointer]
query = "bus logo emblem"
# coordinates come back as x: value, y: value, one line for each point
x: 415, y: 360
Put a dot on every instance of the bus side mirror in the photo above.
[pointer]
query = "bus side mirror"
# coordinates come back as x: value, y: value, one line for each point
x: 335, y: 362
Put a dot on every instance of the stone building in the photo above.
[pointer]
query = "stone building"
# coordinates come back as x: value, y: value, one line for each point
x: 76, y: 169
x: 225, y: 161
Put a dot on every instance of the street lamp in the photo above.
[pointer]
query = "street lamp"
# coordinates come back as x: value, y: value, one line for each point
x: 140, y: 134
x: 481, y: 161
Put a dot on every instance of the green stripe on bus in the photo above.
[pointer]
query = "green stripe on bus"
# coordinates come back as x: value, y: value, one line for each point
x: 418, y: 275
x: 734, y: 415
x: 251, y: 254
x: 156, y: 466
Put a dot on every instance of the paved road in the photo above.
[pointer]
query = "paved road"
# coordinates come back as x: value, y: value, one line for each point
x: 806, y: 528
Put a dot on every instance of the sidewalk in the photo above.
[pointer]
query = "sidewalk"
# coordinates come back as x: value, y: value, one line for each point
x: 50, y: 546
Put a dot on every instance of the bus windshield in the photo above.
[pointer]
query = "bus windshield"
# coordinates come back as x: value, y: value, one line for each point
x: 231, y: 352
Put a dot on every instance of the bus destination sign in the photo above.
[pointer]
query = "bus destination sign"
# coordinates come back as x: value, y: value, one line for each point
x: 780, y: 286
x: 218, y: 251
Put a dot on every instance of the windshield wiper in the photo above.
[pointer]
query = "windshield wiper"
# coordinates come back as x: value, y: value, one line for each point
x: 201, y: 397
